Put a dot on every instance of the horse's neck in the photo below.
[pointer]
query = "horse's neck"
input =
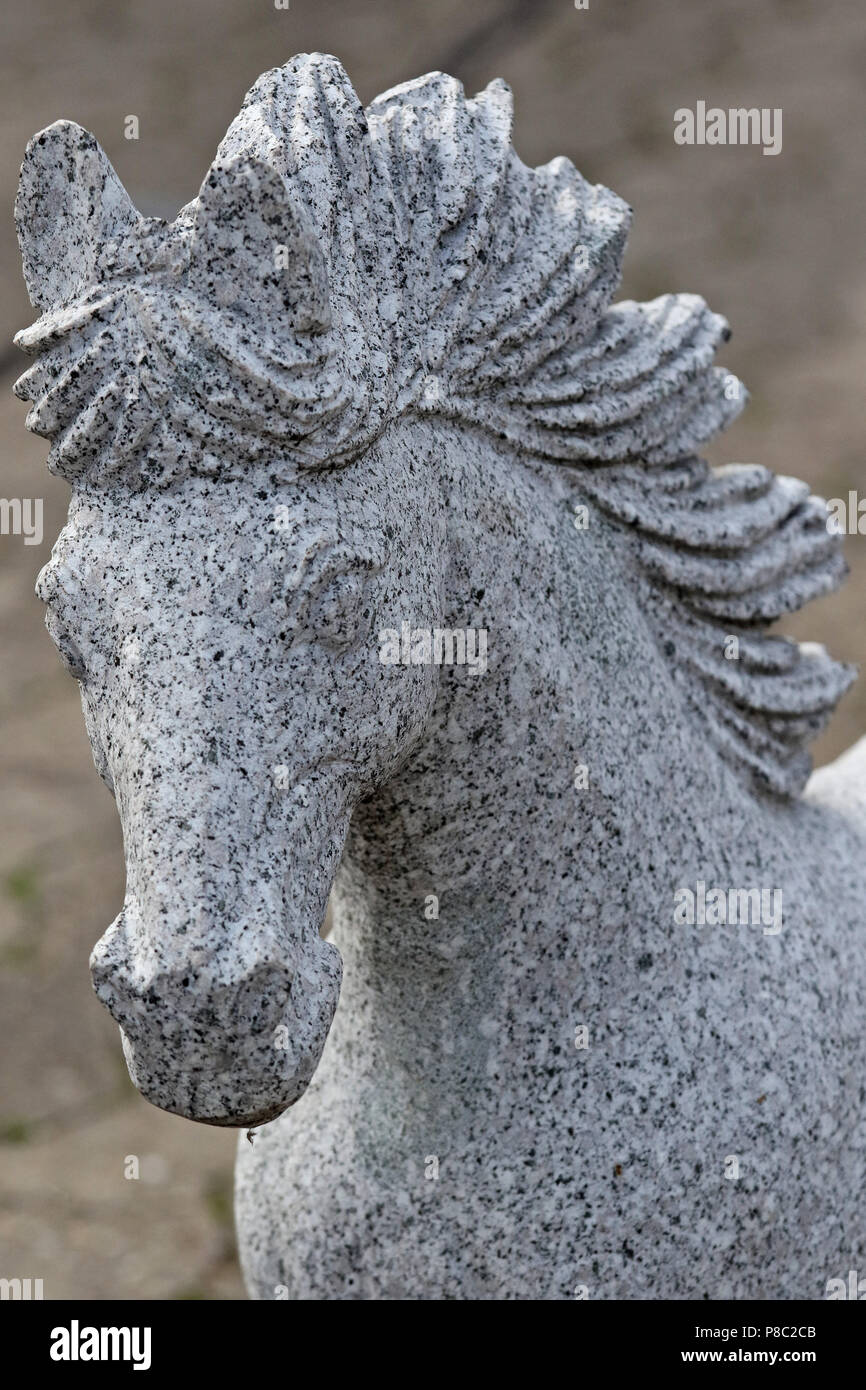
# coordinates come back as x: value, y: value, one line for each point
x: 540, y: 769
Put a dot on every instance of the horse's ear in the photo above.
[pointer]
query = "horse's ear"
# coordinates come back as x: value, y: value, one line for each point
x: 70, y: 203
x: 253, y: 245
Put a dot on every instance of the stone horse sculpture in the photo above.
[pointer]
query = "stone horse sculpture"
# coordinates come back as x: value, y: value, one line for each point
x: 365, y: 402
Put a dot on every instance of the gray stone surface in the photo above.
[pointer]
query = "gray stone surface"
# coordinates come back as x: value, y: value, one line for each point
x: 372, y: 376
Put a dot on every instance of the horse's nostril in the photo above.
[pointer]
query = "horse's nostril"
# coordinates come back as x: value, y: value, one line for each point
x: 192, y: 1005
x: 261, y: 1000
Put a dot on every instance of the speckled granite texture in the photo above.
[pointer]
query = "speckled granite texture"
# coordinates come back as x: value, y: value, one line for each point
x: 370, y: 382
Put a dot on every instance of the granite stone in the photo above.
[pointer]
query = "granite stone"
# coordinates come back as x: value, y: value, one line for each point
x: 393, y: 574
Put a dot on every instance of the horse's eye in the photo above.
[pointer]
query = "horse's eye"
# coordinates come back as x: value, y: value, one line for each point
x: 335, y: 607
x: 70, y: 653
x: 336, y: 614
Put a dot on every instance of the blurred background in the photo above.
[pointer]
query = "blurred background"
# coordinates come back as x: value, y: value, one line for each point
x: 775, y: 244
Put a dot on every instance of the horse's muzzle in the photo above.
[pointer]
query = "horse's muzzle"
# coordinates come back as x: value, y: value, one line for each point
x: 220, y: 1046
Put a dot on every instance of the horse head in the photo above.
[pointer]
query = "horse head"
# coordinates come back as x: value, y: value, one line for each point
x: 244, y: 402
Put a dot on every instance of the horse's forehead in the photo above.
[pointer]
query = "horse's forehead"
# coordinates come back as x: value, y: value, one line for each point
x: 191, y: 518
x: 227, y: 538
x: 148, y: 536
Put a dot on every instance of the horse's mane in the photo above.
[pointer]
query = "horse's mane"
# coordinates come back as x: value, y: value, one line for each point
x: 426, y: 269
